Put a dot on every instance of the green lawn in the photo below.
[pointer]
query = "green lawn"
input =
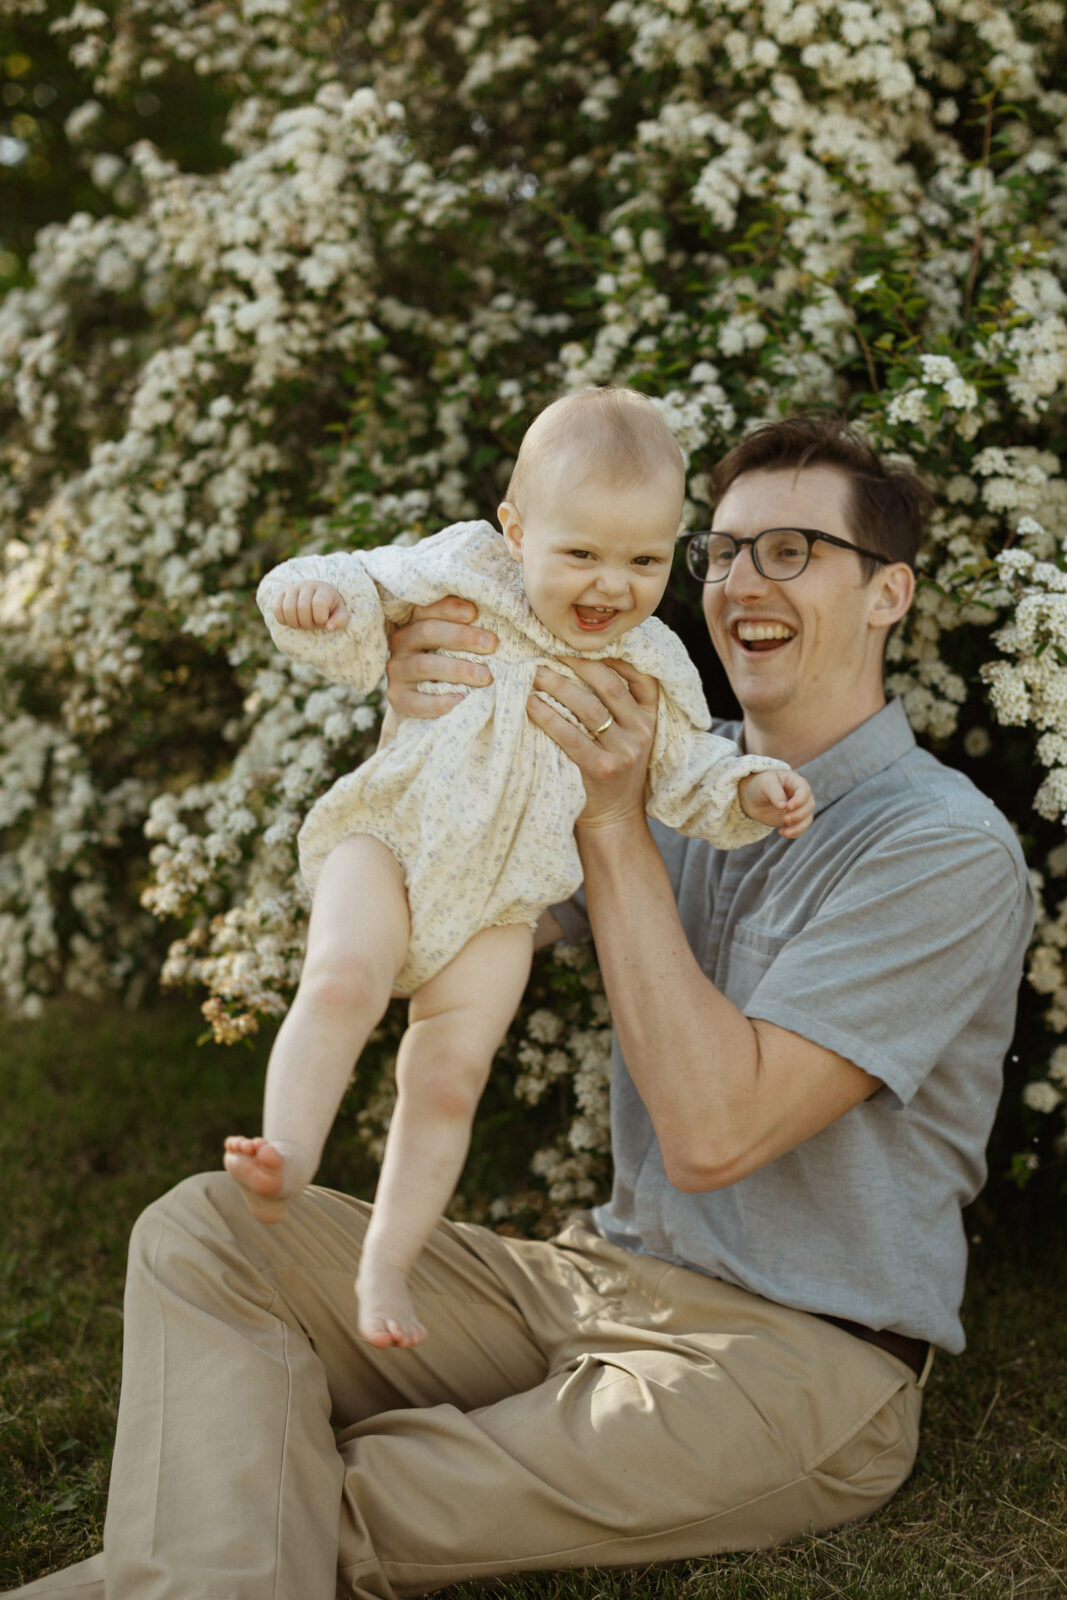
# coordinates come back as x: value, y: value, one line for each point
x: 104, y: 1109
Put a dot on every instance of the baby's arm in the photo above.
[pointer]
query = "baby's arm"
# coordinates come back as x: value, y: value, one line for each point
x: 782, y: 800
x: 695, y: 783
x: 326, y: 611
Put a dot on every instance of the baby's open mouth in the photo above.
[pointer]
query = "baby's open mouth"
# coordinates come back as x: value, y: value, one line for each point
x: 594, y: 617
x: 761, y: 637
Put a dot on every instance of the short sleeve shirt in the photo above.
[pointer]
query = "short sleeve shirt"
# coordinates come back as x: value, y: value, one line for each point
x: 893, y: 933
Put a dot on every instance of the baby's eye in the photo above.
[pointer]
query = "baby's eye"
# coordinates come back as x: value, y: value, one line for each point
x: 581, y: 555
x: 646, y: 561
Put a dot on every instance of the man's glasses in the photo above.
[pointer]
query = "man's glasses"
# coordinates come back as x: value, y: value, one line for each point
x: 777, y: 553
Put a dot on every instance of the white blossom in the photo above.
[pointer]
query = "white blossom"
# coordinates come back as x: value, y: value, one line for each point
x: 337, y: 334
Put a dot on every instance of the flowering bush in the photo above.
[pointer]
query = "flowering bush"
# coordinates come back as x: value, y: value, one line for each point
x: 431, y: 219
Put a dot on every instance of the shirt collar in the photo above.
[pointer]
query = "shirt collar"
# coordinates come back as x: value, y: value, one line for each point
x: 868, y: 749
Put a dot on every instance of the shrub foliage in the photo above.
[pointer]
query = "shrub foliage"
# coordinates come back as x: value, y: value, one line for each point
x: 424, y: 221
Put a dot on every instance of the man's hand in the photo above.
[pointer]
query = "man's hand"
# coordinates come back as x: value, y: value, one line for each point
x: 414, y: 657
x: 782, y: 800
x: 311, y: 605
x: 613, y: 760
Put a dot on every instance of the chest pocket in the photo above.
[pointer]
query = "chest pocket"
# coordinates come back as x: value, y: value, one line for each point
x: 747, y: 955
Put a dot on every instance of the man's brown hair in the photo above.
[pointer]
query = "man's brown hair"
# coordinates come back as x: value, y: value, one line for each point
x: 888, y: 504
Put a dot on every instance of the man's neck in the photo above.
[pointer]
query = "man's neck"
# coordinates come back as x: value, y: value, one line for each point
x: 788, y: 739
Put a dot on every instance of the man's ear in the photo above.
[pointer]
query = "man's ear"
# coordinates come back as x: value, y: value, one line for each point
x: 893, y: 594
x: 511, y: 527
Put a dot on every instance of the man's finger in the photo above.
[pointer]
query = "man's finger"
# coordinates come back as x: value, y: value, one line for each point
x: 450, y: 609
x: 442, y: 633
x: 602, y: 676
x: 601, y: 692
x: 576, y: 742
x: 430, y: 667
x: 423, y: 707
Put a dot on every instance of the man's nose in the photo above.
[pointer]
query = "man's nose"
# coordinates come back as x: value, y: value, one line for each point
x: 744, y: 577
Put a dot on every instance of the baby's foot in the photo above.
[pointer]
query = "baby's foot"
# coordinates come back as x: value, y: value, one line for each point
x: 386, y: 1314
x: 260, y: 1170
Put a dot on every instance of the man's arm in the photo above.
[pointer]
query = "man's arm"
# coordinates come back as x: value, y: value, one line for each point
x: 725, y: 1094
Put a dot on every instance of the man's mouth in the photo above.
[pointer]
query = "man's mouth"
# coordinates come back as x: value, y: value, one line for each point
x: 760, y: 637
x: 591, y: 619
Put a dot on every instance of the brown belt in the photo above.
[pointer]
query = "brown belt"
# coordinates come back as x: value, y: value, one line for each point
x: 912, y: 1351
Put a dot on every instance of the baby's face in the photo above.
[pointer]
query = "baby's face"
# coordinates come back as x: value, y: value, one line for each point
x: 595, y: 559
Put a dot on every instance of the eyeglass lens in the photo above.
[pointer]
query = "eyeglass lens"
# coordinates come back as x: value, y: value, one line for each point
x: 779, y: 553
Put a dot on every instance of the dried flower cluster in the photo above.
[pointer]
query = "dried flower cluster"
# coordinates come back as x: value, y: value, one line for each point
x: 430, y: 219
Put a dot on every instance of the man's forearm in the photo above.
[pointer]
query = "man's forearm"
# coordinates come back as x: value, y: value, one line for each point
x: 726, y: 1095
x: 693, y: 1056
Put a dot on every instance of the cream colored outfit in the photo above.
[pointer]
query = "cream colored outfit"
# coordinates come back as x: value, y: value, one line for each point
x: 479, y: 806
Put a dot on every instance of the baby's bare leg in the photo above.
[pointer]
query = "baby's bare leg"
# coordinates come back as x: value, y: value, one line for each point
x: 456, y: 1023
x: 357, y: 940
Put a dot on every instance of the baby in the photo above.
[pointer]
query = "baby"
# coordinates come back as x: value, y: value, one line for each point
x: 431, y: 863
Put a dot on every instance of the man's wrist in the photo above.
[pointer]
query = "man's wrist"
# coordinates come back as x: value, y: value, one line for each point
x: 609, y: 832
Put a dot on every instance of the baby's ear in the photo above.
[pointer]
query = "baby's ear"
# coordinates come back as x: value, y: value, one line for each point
x: 511, y: 527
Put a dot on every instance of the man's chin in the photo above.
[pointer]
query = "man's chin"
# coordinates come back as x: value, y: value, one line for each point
x: 753, y: 665
x: 757, y: 693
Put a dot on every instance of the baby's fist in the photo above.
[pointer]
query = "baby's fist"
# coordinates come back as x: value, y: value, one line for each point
x: 782, y: 800
x: 311, y: 605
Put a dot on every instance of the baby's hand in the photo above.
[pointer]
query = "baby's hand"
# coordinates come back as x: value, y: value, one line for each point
x: 311, y: 605
x: 783, y: 800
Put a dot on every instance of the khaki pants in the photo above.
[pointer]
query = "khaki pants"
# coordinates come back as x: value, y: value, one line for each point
x: 574, y: 1405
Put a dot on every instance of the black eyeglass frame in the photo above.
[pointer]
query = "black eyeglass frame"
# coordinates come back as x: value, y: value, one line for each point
x: 809, y: 535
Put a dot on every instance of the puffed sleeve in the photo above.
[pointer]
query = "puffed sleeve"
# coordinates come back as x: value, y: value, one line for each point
x: 693, y: 773
x: 693, y: 777
x: 354, y: 654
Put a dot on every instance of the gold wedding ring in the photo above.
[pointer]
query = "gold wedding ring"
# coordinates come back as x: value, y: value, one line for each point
x: 604, y: 726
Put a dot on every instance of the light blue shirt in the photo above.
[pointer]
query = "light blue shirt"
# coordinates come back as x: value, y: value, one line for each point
x: 892, y: 932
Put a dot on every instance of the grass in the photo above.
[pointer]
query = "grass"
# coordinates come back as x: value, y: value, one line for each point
x: 104, y: 1109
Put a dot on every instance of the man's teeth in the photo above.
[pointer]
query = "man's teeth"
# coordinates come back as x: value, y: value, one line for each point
x: 751, y: 632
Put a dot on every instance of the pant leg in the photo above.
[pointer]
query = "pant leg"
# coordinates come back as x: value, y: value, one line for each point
x: 240, y: 1355
x: 573, y: 1405
x: 83, y: 1581
x: 678, y: 1417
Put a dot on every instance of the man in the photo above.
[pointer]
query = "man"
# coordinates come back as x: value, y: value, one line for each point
x: 809, y: 1040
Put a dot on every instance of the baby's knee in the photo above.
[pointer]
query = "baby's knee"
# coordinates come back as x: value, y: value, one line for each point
x: 444, y: 1077
x: 337, y: 980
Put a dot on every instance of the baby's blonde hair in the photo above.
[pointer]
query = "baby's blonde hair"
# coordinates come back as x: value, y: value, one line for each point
x: 615, y: 435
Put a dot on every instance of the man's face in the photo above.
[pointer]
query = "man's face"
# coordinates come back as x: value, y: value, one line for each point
x: 802, y: 657
x: 595, y: 558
